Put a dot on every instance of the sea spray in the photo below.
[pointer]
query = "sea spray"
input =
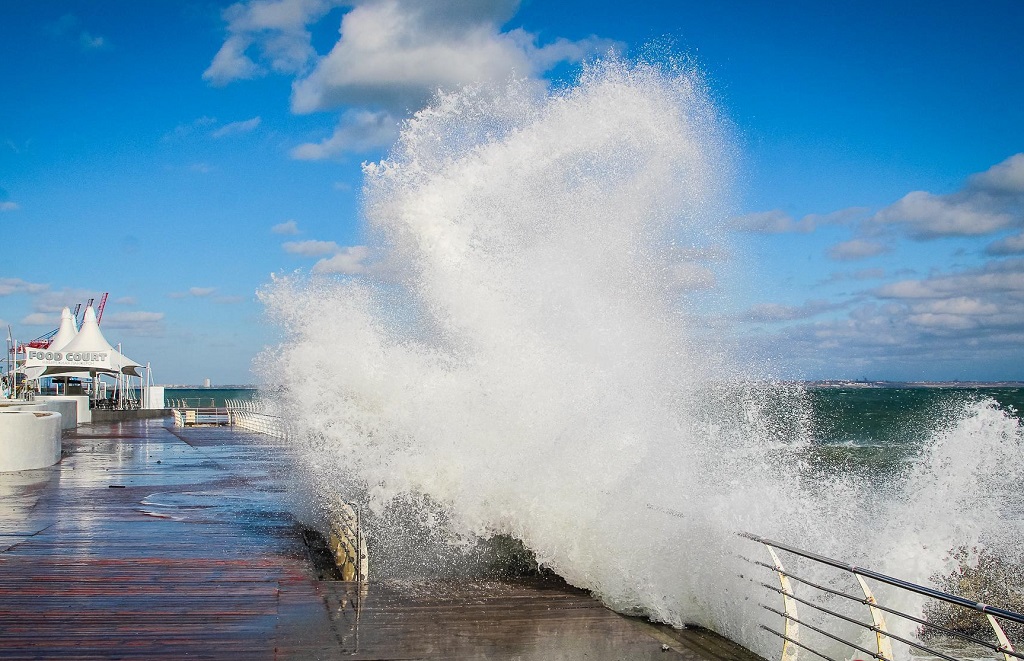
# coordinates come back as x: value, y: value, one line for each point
x: 526, y: 353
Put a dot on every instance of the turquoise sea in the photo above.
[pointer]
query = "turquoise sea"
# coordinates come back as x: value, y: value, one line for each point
x: 202, y: 397
x: 873, y: 431
x: 895, y: 415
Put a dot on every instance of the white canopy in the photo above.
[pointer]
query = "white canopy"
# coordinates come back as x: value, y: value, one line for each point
x: 88, y: 352
x: 67, y: 331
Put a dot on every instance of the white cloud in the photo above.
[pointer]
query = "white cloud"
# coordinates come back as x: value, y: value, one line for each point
x: 39, y: 319
x: 905, y: 289
x: 768, y: 312
x: 391, y: 54
x: 395, y: 53
x: 1006, y: 178
x: 126, y: 300
x: 198, y: 292
x: 276, y: 28
x: 780, y: 222
x: 9, y: 206
x: 234, y: 128
x: 311, y: 248
x: 770, y: 222
x: 288, y: 227
x: 957, y: 305
x: 926, y: 216
x: 230, y: 63
x: 947, y: 322
x: 357, y: 131
x: 989, y: 202
x: 9, y: 286
x: 855, y: 249
x: 1000, y: 278
x: 349, y: 261
x: 1011, y: 245
x: 54, y: 301
x: 135, y: 322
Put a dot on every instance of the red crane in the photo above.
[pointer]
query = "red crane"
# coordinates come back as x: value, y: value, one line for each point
x: 99, y: 311
x: 43, y: 341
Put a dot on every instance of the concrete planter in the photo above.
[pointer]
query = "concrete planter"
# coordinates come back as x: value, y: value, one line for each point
x: 83, y: 414
x: 29, y: 439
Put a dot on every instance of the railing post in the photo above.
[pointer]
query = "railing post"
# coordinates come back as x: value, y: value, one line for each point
x: 792, y: 630
x: 881, y: 638
x: 1004, y: 642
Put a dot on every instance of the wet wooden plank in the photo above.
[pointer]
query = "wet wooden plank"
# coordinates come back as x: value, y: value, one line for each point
x: 193, y: 554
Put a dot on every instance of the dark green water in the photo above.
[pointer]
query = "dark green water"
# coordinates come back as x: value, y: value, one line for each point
x: 874, y: 432
x: 208, y: 396
x: 893, y: 416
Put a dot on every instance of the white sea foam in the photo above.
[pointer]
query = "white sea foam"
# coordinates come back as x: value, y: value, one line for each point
x: 530, y: 354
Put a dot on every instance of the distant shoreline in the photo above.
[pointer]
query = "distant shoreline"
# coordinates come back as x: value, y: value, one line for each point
x: 228, y: 386
x: 842, y: 383
x: 817, y: 383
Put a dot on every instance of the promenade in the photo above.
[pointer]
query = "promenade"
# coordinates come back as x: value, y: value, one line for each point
x: 149, y: 541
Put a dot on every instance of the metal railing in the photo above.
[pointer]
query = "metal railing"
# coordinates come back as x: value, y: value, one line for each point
x: 243, y: 413
x: 792, y: 622
x: 207, y: 415
x: 249, y: 414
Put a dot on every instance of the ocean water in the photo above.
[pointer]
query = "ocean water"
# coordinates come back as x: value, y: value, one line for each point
x: 879, y: 431
x: 209, y: 397
x: 536, y: 351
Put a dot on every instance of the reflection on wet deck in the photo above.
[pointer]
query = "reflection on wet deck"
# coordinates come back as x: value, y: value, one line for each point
x: 151, y: 543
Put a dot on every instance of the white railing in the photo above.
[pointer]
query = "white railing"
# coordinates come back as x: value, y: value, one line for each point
x: 798, y: 634
x: 249, y: 415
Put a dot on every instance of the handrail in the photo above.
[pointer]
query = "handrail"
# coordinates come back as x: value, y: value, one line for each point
x: 878, y: 626
x: 861, y: 600
x: 906, y: 585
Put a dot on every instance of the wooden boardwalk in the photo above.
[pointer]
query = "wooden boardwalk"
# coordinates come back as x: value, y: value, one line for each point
x: 154, y: 542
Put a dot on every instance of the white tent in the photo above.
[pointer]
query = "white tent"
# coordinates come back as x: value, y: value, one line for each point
x: 67, y: 331
x: 88, y: 352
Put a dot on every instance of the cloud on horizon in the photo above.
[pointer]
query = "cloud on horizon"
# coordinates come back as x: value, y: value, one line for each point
x: 957, y: 317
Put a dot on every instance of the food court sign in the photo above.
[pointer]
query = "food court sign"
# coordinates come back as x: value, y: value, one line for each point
x: 84, y: 360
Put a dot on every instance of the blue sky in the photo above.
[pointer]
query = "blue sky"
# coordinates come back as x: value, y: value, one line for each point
x: 176, y: 154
